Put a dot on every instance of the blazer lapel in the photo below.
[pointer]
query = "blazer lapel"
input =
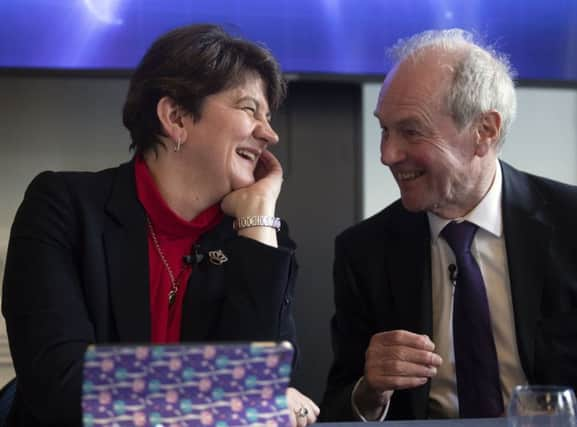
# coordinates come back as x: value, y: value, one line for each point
x: 206, y: 286
x: 410, y: 266
x: 527, y: 236
x: 126, y: 246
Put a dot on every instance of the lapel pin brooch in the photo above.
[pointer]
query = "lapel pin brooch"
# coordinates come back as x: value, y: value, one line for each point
x: 217, y: 257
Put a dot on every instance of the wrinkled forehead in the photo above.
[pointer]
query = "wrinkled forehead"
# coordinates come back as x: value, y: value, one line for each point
x: 422, y: 78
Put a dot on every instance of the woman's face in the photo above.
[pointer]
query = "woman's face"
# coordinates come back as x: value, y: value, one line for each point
x: 233, y: 130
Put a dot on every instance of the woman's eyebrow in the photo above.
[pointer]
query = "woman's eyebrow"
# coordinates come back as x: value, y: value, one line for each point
x: 258, y: 105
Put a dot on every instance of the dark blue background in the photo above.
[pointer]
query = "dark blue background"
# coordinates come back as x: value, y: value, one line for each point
x: 307, y: 36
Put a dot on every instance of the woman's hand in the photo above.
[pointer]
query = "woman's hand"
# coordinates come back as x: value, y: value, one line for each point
x: 303, y: 410
x: 260, y: 197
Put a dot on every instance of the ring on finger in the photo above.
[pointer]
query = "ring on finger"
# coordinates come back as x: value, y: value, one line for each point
x: 301, y: 412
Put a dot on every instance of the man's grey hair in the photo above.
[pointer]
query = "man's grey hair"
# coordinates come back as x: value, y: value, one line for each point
x: 483, y: 77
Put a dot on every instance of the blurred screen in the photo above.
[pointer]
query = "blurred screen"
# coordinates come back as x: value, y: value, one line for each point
x: 307, y: 36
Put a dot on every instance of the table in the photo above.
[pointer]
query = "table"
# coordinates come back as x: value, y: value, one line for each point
x: 482, y: 422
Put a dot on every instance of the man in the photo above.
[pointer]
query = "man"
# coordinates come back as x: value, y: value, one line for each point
x: 429, y: 323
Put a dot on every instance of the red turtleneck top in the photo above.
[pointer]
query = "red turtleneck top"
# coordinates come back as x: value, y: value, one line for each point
x: 176, y: 237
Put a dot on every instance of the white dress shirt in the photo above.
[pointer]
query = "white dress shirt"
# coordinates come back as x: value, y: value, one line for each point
x: 489, y: 250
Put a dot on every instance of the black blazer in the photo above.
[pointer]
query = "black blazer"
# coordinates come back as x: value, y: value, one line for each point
x: 77, y: 273
x: 382, y: 275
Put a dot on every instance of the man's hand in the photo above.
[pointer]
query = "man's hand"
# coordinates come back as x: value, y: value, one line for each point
x: 394, y: 360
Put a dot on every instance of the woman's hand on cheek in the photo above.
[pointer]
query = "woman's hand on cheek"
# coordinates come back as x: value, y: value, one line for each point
x: 260, y: 197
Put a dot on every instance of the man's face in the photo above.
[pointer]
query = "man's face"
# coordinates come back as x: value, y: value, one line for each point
x: 433, y: 161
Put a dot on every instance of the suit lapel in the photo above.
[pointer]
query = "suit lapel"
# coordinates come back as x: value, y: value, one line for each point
x: 527, y: 236
x: 126, y: 246
x: 410, y: 266
x: 410, y: 278
x: 206, y: 286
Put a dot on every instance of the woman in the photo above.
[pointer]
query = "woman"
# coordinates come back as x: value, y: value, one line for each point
x: 180, y: 244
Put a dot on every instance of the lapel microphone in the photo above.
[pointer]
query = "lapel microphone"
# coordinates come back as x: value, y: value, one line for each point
x: 195, y: 257
x: 453, y: 273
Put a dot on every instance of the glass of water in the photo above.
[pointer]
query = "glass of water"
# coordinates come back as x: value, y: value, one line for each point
x: 542, y: 406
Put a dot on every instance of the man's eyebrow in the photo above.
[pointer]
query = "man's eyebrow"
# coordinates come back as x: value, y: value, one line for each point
x: 409, y: 121
x: 376, y: 116
x: 405, y: 121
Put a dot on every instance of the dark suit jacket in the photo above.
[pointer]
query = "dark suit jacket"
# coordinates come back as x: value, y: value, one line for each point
x: 77, y: 273
x: 382, y: 276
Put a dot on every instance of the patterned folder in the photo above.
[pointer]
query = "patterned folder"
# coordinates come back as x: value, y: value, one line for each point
x: 220, y: 385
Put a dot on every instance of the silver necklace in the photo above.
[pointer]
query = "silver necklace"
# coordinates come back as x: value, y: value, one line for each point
x: 174, y: 281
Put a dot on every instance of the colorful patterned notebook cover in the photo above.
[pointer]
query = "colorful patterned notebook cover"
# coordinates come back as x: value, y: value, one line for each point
x: 220, y: 385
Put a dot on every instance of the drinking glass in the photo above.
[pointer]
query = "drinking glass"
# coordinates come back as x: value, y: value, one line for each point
x: 542, y: 406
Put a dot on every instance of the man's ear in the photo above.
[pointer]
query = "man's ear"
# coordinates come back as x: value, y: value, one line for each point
x: 488, y: 132
x: 170, y: 115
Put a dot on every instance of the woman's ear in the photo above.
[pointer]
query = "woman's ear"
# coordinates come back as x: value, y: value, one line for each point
x: 488, y: 132
x: 170, y: 115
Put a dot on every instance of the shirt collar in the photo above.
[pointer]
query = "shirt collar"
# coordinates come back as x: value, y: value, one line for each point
x: 486, y: 215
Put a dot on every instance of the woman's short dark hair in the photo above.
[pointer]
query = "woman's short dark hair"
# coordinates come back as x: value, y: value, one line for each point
x: 188, y: 64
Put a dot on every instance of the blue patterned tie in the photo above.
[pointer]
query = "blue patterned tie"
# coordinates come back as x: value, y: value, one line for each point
x: 477, y: 369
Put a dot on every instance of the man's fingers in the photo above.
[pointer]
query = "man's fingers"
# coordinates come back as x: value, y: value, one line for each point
x: 403, y: 338
x: 397, y: 360
x: 406, y: 354
x: 399, y: 368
